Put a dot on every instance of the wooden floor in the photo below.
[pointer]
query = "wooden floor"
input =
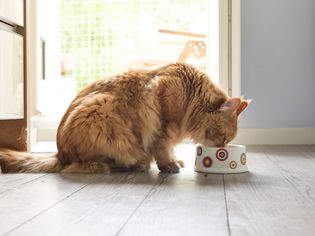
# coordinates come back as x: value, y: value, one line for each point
x: 277, y: 197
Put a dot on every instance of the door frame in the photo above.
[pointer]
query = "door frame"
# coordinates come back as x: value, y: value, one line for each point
x: 230, y: 46
x: 14, y: 132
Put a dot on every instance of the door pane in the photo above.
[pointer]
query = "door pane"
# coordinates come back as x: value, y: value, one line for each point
x: 12, y: 11
x: 11, y: 76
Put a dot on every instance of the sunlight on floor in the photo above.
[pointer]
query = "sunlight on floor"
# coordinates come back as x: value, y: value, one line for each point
x: 183, y: 151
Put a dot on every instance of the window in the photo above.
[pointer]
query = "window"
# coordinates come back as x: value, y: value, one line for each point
x: 105, y: 36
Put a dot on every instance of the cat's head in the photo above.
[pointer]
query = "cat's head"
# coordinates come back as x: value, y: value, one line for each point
x: 218, y: 128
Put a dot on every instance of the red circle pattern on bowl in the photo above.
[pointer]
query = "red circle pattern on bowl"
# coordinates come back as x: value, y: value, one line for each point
x: 222, y: 154
x: 207, y: 162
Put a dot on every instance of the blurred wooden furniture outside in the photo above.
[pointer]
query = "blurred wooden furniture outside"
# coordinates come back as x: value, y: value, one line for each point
x: 193, y: 44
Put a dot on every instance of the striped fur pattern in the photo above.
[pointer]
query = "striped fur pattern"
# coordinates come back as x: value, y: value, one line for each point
x: 127, y: 121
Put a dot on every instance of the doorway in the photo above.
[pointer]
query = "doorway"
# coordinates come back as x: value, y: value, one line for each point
x: 78, y: 42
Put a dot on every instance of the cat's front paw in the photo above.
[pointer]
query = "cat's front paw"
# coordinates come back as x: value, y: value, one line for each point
x: 171, y: 167
x: 181, y: 163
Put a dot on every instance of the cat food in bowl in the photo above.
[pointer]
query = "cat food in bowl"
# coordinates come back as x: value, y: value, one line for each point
x: 221, y: 160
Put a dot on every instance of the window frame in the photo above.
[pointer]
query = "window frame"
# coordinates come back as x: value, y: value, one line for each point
x: 230, y: 46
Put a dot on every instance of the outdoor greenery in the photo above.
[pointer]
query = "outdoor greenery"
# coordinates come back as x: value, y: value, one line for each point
x: 102, y: 35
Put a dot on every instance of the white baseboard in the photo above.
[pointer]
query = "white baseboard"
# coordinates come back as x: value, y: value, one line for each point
x: 275, y: 136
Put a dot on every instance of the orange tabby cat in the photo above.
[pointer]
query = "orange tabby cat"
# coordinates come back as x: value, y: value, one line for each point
x: 127, y: 121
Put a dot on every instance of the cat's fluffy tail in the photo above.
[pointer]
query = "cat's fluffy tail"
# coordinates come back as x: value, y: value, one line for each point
x: 20, y: 162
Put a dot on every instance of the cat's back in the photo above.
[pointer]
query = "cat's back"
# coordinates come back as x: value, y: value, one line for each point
x: 117, y: 108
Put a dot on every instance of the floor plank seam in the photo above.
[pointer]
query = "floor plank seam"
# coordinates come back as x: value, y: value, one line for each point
x: 308, y: 156
x: 18, y: 185
x: 226, y: 208
x: 43, y: 211
x: 141, y: 202
x: 287, y: 179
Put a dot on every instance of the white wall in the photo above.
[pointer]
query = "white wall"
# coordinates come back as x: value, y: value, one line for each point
x: 278, y: 63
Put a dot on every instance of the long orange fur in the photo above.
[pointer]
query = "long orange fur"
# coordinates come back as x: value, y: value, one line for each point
x: 129, y: 120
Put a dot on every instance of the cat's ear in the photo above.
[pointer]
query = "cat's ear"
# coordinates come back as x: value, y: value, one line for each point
x: 243, y: 106
x: 231, y: 105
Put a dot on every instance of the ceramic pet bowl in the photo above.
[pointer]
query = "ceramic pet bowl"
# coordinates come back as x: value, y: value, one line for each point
x: 225, y: 160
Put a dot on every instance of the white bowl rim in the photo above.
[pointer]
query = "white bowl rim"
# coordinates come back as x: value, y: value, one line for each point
x: 226, y: 147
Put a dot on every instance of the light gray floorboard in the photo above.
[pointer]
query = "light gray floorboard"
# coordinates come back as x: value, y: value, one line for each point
x: 297, y: 165
x: 277, y: 197
x: 184, y: 204
x: 31, y: 199
x: 12, y: 181
x: 266, y: 201
x: 100, y: 208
